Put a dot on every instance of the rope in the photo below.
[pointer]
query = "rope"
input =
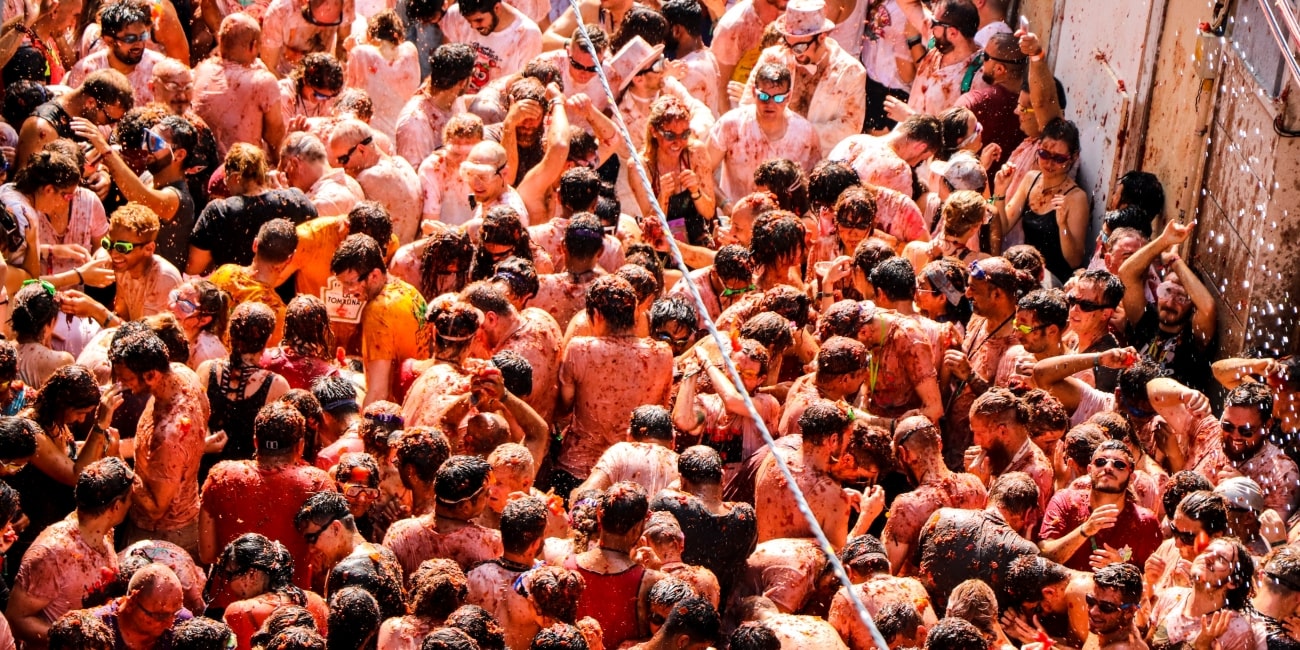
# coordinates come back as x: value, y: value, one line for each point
x: 723, y: 343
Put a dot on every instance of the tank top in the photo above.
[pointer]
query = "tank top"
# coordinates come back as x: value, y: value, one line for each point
x: 234, y: 416
x: 58, y: 118
x: 1042, y: 232
x: 611, y: 600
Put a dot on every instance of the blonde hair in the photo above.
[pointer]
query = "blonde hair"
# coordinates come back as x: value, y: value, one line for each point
x: 137, y: 218
x: 248, y: 161
x: 963, y: 211
x: 463, y: 125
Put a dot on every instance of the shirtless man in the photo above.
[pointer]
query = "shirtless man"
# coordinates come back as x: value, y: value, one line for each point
x: 420, y: 125
x: 531, y: 333
x: 824, y: 425
x: 125, y: 28
x: 1002, y: 444
x: 1112, y: 606
x: 919, y: 448
x: 523, y: 529
x: 865, y: 561
x: 660, y: 549
x: 304, y: 164
x: 460, y: 487
x: 564, y: 294
x: 390, y: 180
x: 238, y: 99
x: 332, y: 537
x: 169, y: 441
x: 604, y: 377
x: 794, y: 630
x: 692, y: 624
x: 73, y: 557
x: 1037, y: 587
x: 841, y: 370
x: 103, y: 98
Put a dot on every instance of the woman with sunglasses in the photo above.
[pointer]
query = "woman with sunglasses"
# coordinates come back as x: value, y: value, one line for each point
x: 1052, y: 207
x: 680, y: 173
x: 203, y: 310
x: 46, y: 185
x: 259, y: 573
x: 313, y: 87
x: 236, y: 386
x: 503, y: 235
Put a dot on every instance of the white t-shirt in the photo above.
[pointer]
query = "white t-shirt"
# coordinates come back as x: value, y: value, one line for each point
x: 501, y: 53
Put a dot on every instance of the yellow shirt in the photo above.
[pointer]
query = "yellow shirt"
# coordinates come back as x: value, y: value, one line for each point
x: 317, y: 241
x: 392, y: 325
x: 243, y: 287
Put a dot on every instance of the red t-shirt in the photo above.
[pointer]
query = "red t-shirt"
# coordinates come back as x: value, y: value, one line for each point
x: 242, y: 497
x: 995, y: 108
x: 1137, y: 528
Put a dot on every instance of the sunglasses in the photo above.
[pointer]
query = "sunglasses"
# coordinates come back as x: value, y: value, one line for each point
x: 343, y: 160
x: 1085, y: 305
x: 1167, y: 292
x: 1118, y: 464
x: 1026, y: 329
x: 990, y: 57
x: 153, y: 143
x: 657, y: 66
x: 939, y: 24
x: 49, y: 288
x: 578, y: 66
x: 174, y: 87
x: 674, y: 137
x: 1058, y: 158
x: 1107, y: 607
x: 1183, y: 537
x: 321, y: 97
x: 311, y: 538
x: 800, y: 48
x: 1240, y: 430
x: 672, y: 342
x: 123, y: 247
x: 727, y: 293
x: 775, y: 99
x: 187, y: 307
x: 132, y: 39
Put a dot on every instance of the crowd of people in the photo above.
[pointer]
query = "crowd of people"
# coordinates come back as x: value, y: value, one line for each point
x: 348, y: 325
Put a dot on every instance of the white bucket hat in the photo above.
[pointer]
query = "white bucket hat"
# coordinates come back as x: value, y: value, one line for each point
x: 804, y: 18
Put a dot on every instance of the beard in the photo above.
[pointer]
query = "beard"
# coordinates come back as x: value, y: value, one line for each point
x: 130, y: 57
x: 1109, y: 489
x: 988, y: 78
x: 156, y: 166
x: 942, y: 44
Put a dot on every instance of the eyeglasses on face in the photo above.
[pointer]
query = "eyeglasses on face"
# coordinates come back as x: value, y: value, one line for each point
x: 1084, y: 305
x: 1246, y: 431
x: 672, y: 136
x: 123, y: 247
x: 1026, y: 329
x: 800, y: 48
x: 343, y: 160
x: 1118, y: 463
x: 774, y: 99
x: 674, y: 343
x: 311, y: 538
x: 578, y: 66
x: 1183, y: 537
x: 186, y: 307
x: 1107, y: 607
x: 322, y: 97
x: 1048, y: 156
x: 131, y: 39
x: 727, y: 293
x: 657, y: 66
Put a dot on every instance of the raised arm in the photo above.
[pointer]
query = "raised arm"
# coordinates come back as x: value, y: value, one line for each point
x: 1042, y: 85
x: 1237, y: 371
x: 1134, y: 269
x: 163, y: 202
x: 1054, y: 375
x: 1204, y: 316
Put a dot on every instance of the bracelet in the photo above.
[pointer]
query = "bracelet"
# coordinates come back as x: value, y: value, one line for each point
x: 913, y: 41
x: 80, y: 278
x: 697, y: 196
x: 1036, y: 57
x: 825, y: 294
x: 556, y: 102
x: 1096, y: 366
x: 997, y: 197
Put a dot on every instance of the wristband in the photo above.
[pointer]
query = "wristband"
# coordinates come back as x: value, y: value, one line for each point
x: 997, y: 197
x: 1036, y: 57
x: 1096, y: 366
x: 697, y: 196
x: 80, y: 278
x: 913, y: 41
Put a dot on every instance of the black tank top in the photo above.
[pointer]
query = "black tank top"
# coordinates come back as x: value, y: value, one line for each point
x: 234, y: 416
x: 53, y: 113
x: 1042, y: 233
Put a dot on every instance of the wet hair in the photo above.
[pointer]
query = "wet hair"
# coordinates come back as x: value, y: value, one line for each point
x: 423, y: 11
x: 1028, y: 575
x: 1254, y: 395
x: 423, y: 450
x: 22, y: 97
x: 752, y: 635
x: 18, y: 437
x: 1242, y: 577
x: 700, y: 465
x: 523, y: 522
x: 1015, y: 491
x: 870, y: 445
x: 865, y: 554
x: 337, y: 395
x: 956, y: 276
x: 673, y: 308
x: 253, y: 551
x: 246, y: 161
x: 578, y: 188
x: 555, y: 591
x: 479, y: 624
x: 771, y: 329
x: 307, y: 331
x: 282, y: 618
x: 140, y: 353
x: 923, y: 128
x: 733, y: 263
x: 251, y: 326
x: 322, y: 508
x: 359, y: 253
x: 1046, y: 414
x: 641, y: 21
x: 213, y: 302
x: 641, y: 254
x: 70, y: 388
x: 80, y: 629
x: 454, y: 323
x: 1131, y: 217
x: 319, y: 70
x: 608, y: 210
x: 694, y: 617
x: 842, y: 318
x: 614, y: 299
x: 297, y: 638
x: 651, y: 422
x: 1280, y: 570
x: 380, y: 577
x: 34, y: 309
x: 828, y: 181
x: 1122, y: 577
x: 960, y: 15
x: 165, y: 326
x: 519, y: 276
x: 1182, y: 484
x: 841, y: 356
x: 353, y: 619
x: 201, y: 633
x: 1064, y: 131
x: 9, y: 502
x: 642, y: 280
x: 822, y: 420
x: 777, y: 234
x: 501, y: 225
x: 895, y: 278
x: 954, y: 123
x: 450, y: 65
x: 1027, y: 259
x: 386, y: 26
x: 1001, y: 405
x: 974, y: 602
x: 955, y: 633
x: 789, y: 302
x: 450, y: 249
x: 1142, y: 190
x: 1208, y: 509
x: 1114, y: 425
x: 109, y: 87
x: 516, y: 372
x: 856, y: 208
x: 584, y: 519
x: 869, y: 253
x: 448, y: 638
x: 102, y: 484
x: 438, y: 587
x: 962, y: 212
x: 371, y: 218
x: 623, y: 507
x: 1048, y: 307
x: 786, y: 181
x: 277, y: 430
x: 1133, y: 380
x: 583, y: 145
x: 897, y: 618
x: 687, y: 14
x: 1112, y: 289
x: 461, y: 478
x: 772, y: 74
x: 584, y: 237
x: 559, y: 637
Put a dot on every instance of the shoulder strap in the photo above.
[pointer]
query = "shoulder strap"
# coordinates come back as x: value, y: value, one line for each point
x: 976, y: 63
